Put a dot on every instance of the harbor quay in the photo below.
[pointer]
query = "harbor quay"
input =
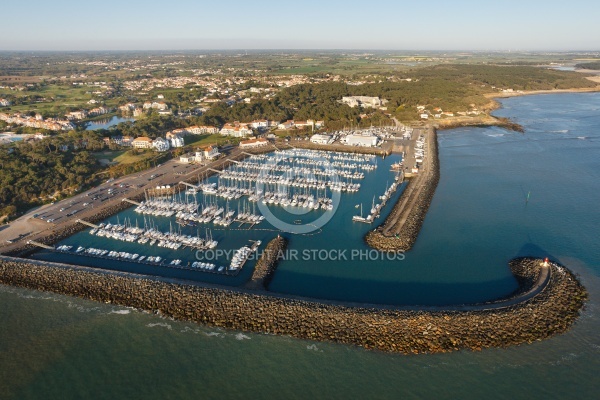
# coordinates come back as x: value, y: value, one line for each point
x: 402, y: 226
x: 547, y: 303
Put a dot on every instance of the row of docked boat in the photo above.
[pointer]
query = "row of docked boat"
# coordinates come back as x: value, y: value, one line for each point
x: 322, y: 154
x: 151, y: 235
x: 376, y: 207
x: 103, y: 253
x: 252, y: 171
x: 164, y: 208
x: 419, y: 149
x: 241, y: 256
x: 207, y: 266
x: 297, y: 200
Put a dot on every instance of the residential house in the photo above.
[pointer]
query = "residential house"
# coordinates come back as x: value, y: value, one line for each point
x: 236, y: 130
x: 161, y: 144
x: 289, y: 124
x: 211, y: 152
x: 177, y: 141
x: 81, y: 114
x: 99, y: 111
x: 142, y: 142
x: 204, y: 129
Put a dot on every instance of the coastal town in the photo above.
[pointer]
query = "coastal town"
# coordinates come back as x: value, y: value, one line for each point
x: 200, y: 175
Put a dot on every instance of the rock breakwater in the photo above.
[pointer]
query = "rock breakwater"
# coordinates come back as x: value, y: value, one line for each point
x: 267, y: 264
x: 523, y: 318
x: 401, y: 228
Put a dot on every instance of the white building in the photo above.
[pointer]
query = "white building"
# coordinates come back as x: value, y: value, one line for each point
x: 236, y: 130
x: 211, y: 152
x: 362, y: 141
x: 159, y: 105
x: 289, y: 124
x: 142, y: 142
x: 161, y: 144
x: 321, y: 139
x: 364, y: 101
x: 248, y: 144
x: 187, y: 158
x: 199, y: 130
x: 177, y: 141
x: 260, y: 124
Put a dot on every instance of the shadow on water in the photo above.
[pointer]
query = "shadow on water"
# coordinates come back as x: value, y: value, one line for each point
x: 160, y: 271
x: 395, y: 293
x: 533, y: 250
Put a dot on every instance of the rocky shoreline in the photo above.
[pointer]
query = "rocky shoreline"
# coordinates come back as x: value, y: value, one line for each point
x: 267, y: 264
x: 400, y: 229
x: 525, y: 317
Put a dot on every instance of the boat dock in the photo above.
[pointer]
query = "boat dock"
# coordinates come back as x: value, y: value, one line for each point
x: 87, y: 223
x: 38, y: 244
x: 131, y: 201
x: 217, y: 270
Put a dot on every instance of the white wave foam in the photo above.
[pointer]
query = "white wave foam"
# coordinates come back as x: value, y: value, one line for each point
x: 494, y: 134
x: 313, y: 347
x: 160, y: 324
x: 561, y: 131
x: 217, y: 334
x: 121, y: 312
x: 241, y: 336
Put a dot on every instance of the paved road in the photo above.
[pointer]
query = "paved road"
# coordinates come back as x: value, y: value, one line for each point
x: 41, y: 221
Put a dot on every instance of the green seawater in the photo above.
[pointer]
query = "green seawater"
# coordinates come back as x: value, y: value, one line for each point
x: 55, y: 346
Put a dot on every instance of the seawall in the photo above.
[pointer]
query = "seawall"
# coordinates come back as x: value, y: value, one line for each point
x: 547, y: 303
x: 401, y: 228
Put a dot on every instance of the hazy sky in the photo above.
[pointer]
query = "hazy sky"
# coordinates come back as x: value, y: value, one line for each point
x: 303, y: 24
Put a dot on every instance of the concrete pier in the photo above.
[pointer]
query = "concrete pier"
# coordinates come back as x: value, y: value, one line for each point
x: 87, y: 223
x: 43, y: 246
x: 132, y: 202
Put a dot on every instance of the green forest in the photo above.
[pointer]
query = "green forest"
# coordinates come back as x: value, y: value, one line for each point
x: 595, y: 65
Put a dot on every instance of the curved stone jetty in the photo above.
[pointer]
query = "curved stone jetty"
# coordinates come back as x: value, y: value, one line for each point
x: 547, y: 303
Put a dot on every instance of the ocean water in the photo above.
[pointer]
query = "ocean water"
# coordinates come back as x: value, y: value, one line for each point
x: 55, y: 346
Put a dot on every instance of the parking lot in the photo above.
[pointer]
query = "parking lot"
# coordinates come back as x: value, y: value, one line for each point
x: 170, y: 172
x: 48, y: 217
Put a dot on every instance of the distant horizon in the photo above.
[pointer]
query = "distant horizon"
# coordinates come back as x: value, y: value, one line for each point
x: 298, y: 50
x: 188, y: 25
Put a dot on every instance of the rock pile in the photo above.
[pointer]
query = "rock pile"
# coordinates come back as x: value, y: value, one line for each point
x: 402, y: 330
x: 267, y: 264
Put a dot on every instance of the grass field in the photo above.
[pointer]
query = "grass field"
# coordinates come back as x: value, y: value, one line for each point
x: 205, y: 140
x: 122, y: 156
x: 56, y: 99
